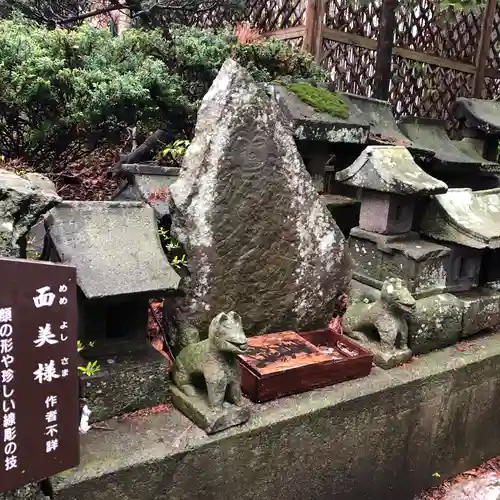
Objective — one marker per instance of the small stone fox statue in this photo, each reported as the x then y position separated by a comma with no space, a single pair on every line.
215,360
387,316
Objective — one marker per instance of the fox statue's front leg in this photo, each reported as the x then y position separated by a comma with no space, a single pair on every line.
235,395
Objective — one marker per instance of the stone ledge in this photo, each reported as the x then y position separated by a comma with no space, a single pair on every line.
379,437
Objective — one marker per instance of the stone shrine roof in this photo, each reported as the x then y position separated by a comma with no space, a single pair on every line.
390,169
114,247
481,114
469,218
384,130
308,124
149,183
431,134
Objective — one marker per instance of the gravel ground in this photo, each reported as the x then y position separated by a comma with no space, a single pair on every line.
482,483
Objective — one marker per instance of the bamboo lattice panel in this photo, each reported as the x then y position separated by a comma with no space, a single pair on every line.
417,88
354,16
451,34
422,89
352,68
268,15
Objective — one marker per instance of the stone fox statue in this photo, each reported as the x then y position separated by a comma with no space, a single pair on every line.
215,361
387,316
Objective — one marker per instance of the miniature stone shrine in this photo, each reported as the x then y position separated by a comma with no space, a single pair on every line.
458,163
327,137
480,120
215,402
449,268
313,123
384,129
468,222
391,182
257,236
120,264
384,245
324,131
149,183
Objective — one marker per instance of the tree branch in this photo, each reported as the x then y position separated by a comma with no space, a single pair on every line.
93,13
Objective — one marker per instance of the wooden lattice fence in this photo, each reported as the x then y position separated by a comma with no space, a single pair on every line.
420,57
266,16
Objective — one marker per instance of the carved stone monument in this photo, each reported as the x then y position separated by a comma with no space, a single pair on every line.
207,377
257,237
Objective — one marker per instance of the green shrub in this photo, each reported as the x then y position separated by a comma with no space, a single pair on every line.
65,91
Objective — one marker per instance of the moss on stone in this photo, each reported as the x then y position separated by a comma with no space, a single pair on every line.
320,99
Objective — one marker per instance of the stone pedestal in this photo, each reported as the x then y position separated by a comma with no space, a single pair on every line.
481,310
423,265
211,420
436,323
383,357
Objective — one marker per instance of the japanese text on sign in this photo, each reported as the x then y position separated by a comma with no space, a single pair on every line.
48,371
8,396
38,371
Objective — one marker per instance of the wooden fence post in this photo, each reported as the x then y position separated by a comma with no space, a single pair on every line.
483,49
313,36
385,44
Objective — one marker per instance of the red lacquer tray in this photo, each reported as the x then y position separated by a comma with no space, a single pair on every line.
285,363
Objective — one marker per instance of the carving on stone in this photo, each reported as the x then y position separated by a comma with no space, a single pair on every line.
252,148
215,359
387,319
244,202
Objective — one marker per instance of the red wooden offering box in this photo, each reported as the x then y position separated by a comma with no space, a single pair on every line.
285,363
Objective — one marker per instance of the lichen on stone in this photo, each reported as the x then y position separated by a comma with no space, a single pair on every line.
320,99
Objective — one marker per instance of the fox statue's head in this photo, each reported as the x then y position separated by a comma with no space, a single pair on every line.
226,333
397,296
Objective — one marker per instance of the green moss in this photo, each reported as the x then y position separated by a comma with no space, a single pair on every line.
320,99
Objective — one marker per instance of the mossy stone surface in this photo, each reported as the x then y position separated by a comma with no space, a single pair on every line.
130,382
320,99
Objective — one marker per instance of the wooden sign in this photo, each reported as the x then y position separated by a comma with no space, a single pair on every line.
38,371
281,364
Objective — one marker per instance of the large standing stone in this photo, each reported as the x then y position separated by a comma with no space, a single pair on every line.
258,239
23,199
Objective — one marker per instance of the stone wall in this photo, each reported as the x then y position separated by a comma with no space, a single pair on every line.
383,436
